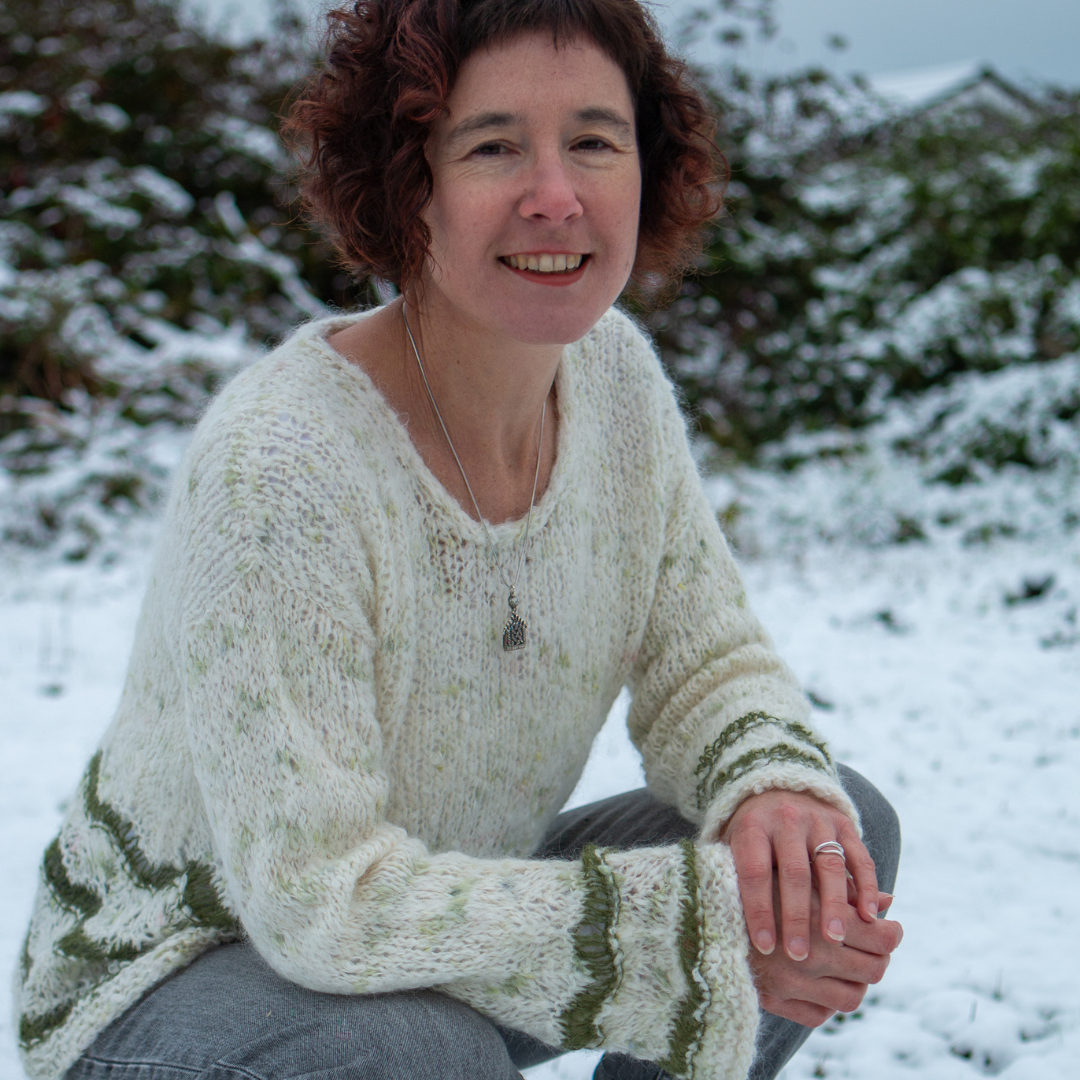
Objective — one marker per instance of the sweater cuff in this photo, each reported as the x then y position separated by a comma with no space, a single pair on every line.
679,957
759,751
788,776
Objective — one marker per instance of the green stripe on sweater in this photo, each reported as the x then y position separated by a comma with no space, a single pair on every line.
751,759
592,947
78,945
33,1029
734,731
200,897
200,893
124,835
78,899
690,1018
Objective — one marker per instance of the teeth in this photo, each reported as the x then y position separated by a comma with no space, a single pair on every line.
545,264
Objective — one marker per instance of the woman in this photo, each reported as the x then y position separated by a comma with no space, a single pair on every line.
409,561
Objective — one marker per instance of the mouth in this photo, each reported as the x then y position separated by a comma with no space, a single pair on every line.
546,263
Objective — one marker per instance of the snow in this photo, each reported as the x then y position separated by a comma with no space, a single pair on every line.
945,672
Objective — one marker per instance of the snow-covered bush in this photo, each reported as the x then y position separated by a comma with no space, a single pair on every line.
148,248
869,254
887,325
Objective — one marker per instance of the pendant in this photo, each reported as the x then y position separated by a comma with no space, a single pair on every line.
514,630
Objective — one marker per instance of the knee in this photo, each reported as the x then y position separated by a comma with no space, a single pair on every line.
429,1035
881,826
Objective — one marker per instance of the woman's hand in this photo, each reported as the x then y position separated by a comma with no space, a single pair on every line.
835,976
781,829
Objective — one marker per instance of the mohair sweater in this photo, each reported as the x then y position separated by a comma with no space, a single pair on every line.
322,746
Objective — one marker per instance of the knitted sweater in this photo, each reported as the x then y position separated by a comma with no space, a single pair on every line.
322,746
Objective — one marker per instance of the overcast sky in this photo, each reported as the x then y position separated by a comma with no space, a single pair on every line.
1024,39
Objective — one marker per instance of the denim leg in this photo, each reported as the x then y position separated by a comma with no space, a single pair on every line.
229,1016
637,819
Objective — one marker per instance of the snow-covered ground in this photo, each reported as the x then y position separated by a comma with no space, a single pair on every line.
947,675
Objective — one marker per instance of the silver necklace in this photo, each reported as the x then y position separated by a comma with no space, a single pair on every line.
516,628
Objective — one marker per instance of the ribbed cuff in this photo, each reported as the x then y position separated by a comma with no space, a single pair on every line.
669,952
776,774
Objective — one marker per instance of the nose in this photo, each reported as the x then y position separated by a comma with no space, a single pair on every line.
550,195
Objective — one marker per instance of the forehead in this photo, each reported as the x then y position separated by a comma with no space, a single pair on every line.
530,74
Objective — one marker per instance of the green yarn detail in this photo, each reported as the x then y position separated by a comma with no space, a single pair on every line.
78,899
742,765
690,1017
123,833
200,897
200,893
32,1029
25,961
592,947
204,901
734,731
78,945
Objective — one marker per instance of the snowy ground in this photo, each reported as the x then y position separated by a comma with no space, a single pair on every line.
935,677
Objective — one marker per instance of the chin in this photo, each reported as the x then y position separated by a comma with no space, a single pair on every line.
553,323
552,330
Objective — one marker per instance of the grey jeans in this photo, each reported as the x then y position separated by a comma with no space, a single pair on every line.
229,1016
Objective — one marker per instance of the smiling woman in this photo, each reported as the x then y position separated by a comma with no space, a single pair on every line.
409,561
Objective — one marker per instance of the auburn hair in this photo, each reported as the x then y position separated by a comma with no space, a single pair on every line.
361,123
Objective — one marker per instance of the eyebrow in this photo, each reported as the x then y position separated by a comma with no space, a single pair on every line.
487,120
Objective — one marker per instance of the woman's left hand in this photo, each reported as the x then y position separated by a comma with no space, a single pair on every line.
781,829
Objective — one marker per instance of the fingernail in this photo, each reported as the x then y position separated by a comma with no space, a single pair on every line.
836,930
797,948
872,908
763,939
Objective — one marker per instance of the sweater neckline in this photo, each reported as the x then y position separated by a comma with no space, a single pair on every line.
448,508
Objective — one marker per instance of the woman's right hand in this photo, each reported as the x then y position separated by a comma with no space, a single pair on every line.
834,977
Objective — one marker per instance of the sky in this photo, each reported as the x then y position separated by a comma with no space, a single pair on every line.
1023,39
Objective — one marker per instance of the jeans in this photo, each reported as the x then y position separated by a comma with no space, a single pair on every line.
229,1016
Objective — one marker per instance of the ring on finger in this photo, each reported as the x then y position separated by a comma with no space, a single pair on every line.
832,847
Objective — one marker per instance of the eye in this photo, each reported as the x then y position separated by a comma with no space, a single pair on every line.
592,142
490,149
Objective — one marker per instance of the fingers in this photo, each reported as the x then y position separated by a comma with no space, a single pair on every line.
752,853
802,1012
794,878
817,1000
880,937
832,886
863,871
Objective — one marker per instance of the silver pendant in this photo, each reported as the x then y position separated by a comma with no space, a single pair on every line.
514,631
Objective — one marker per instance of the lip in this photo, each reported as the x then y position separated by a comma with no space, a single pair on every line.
553,279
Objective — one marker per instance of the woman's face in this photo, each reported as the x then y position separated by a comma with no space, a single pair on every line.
537,185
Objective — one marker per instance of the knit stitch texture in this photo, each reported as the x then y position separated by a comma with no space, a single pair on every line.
322,745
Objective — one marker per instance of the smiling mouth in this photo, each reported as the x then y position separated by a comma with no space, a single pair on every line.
544,264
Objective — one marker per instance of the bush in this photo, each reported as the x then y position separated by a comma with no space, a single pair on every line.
148,246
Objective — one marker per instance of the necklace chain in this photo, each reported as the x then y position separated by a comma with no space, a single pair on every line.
514,632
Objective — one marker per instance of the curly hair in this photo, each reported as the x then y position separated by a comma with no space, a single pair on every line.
361,124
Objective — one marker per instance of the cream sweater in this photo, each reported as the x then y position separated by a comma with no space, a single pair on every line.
322,745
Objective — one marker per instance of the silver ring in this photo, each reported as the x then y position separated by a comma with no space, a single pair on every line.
832,847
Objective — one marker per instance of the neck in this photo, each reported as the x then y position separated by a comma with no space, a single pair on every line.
491,394
489,389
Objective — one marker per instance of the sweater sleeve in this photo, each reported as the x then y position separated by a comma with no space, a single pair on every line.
640,951
716,714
